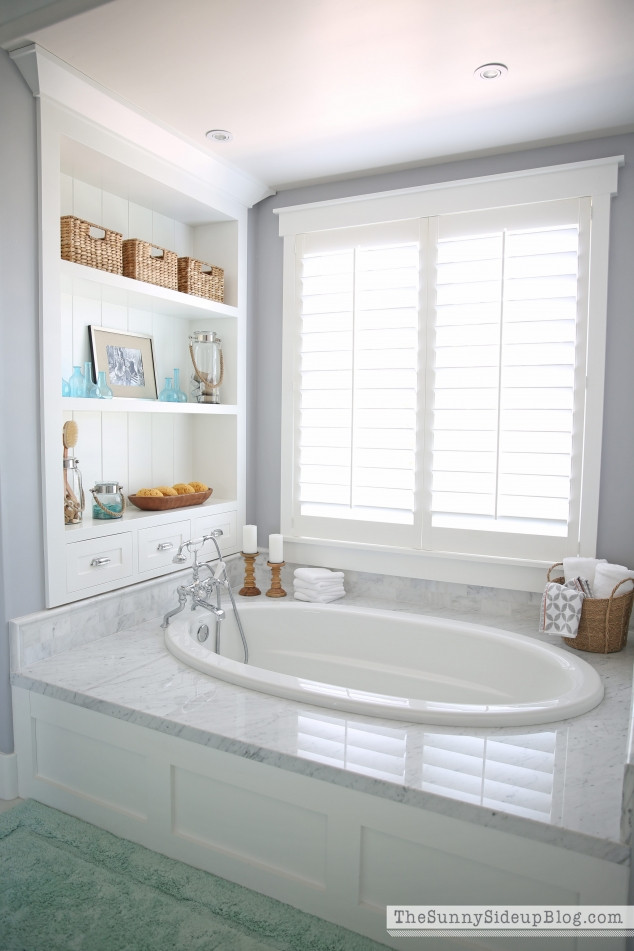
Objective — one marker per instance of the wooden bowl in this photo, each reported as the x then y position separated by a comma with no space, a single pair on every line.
150,503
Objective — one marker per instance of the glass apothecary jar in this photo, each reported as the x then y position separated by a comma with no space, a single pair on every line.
74,501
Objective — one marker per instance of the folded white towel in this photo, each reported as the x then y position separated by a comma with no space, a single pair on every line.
561,610
317,598
608,576
581,568
317,574
317,586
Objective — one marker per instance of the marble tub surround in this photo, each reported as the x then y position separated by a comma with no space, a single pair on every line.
59,629
560,783
56,630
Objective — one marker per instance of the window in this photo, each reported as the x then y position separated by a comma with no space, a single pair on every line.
439,366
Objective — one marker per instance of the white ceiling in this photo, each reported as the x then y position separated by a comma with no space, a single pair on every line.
319,89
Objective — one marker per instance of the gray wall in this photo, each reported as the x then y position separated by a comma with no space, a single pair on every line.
616,518
21,563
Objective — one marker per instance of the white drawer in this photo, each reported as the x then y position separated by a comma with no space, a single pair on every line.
157,546
98,561
226,521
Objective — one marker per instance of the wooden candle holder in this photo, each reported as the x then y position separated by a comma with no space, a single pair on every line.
249,590
276,590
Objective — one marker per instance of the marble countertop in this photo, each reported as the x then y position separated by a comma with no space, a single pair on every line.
560,783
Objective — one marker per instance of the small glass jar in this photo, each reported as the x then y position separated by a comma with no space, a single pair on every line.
109,500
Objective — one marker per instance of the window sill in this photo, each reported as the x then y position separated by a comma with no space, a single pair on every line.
507,573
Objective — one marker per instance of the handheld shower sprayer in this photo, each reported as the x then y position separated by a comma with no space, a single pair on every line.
194,545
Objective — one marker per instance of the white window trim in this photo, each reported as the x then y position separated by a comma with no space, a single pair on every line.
596,179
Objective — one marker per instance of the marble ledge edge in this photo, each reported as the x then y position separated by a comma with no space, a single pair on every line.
607,850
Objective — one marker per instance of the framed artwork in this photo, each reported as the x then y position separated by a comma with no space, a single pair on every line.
127,359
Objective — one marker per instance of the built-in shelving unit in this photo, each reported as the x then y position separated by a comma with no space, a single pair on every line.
126,174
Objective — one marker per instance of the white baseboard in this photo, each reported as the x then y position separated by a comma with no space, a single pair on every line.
8,776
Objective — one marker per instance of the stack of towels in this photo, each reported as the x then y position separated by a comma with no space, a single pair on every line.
318,584
599,576
583,578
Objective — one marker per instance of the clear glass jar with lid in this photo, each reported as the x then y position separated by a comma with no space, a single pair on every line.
205,349
74,502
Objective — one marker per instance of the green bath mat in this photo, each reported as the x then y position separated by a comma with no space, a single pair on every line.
66,885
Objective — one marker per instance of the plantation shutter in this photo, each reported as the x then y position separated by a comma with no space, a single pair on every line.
507,379
357,382
495,466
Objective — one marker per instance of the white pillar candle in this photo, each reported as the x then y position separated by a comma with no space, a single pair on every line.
249,539
276,549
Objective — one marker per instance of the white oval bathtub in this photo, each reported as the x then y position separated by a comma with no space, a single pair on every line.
391,664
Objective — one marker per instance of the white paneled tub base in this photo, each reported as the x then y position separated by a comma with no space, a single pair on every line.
332,851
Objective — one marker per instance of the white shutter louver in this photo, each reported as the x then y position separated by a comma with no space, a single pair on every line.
358,380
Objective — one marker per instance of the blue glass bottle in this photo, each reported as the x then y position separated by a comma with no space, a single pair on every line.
181,397
91,388
168,394
77,383
103,390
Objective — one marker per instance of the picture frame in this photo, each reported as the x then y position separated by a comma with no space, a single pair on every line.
127,359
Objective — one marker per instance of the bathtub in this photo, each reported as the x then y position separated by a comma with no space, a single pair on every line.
390,664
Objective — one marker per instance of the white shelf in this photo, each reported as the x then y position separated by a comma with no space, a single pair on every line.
101,285
134,518
124,405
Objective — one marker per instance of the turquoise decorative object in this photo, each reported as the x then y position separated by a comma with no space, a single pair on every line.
77,383
181,397
168,394
65,387
91,388
103,390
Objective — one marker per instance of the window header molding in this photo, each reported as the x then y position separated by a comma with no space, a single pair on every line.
592,178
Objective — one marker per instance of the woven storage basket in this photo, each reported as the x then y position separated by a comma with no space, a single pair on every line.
101,249
140,264
604,621
192,279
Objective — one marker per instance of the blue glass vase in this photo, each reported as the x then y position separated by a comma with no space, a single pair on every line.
77,383
91,388
168,394
103,390
181,397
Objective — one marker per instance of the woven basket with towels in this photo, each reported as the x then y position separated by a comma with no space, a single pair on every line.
604,622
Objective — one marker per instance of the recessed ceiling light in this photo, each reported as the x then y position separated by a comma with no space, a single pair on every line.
219,135
491,71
